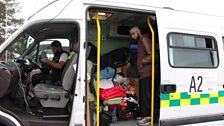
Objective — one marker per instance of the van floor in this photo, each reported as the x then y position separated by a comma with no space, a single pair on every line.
125,123
29,119
128,123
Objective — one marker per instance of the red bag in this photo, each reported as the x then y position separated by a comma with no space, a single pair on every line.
116,91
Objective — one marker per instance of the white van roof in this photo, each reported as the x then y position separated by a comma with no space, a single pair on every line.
210,7
69,9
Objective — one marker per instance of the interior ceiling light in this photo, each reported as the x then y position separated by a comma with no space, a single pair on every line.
102,15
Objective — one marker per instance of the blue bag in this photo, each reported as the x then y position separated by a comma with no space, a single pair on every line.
107,73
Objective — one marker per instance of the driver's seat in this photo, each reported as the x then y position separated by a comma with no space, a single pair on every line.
53,96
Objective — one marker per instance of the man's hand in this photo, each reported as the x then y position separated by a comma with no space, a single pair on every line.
59,65
45,60
141,65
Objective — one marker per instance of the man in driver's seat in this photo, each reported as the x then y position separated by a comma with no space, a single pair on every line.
56,65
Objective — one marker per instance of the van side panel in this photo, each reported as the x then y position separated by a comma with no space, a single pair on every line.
208,98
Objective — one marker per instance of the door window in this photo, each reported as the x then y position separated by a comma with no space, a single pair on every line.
192,51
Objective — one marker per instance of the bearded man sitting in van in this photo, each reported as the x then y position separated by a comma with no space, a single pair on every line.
56,65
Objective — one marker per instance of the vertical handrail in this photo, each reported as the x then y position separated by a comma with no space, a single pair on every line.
153,70
98,71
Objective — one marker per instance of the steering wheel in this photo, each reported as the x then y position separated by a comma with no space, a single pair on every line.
32,63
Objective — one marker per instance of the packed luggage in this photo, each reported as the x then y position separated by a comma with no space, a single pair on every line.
118,85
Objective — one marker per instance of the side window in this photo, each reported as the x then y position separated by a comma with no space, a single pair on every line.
223,41
18,47
192,51
44,46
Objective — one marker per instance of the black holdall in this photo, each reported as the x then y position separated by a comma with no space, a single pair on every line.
105,118
116,58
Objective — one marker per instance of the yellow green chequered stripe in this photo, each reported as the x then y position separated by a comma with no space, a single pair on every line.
185,99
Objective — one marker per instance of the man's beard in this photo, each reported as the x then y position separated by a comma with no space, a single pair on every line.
138,38
56,53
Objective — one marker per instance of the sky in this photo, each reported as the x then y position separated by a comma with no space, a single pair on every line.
28,7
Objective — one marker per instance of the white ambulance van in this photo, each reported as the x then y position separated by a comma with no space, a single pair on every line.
187,63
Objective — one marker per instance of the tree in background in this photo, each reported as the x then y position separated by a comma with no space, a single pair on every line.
2,21
8,22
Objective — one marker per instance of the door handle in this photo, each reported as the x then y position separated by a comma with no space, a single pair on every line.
168,88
